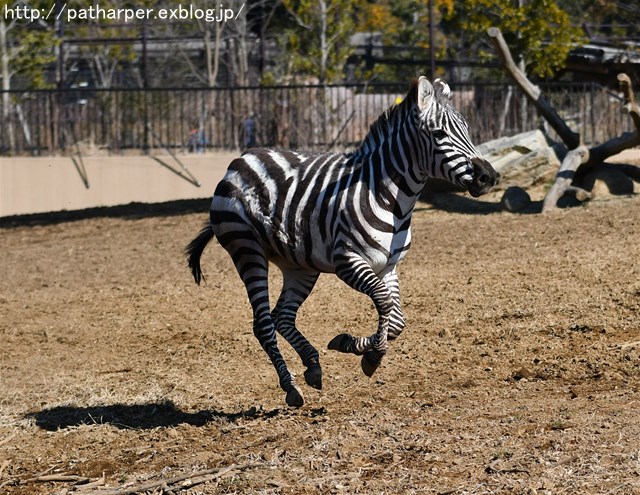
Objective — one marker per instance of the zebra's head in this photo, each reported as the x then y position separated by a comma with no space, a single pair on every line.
453,155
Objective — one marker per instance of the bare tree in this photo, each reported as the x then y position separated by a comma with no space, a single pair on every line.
6,85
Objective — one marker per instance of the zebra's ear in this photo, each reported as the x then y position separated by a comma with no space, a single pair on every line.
425,93
442,90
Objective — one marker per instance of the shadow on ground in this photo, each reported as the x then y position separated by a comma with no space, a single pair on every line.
137,416
131,211
457,203
453,203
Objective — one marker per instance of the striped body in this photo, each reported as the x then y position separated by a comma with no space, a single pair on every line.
347,214
305,206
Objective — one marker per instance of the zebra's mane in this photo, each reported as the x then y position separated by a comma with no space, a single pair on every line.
386,123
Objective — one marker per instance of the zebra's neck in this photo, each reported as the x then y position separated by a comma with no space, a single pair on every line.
394,152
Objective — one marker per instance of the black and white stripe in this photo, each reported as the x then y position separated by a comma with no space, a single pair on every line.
347,214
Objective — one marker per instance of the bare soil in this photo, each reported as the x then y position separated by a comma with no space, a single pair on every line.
519,370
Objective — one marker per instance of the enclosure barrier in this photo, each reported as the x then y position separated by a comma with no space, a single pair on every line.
320,117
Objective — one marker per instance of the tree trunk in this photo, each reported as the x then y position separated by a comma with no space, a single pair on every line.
7,113
212,53
324,55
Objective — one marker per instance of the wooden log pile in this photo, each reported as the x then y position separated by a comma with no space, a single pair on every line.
580,160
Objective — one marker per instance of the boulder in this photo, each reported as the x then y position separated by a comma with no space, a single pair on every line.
515,199
523,160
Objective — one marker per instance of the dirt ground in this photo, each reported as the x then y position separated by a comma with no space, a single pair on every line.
519,370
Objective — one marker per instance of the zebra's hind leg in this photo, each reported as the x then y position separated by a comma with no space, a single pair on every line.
252,265
357,273
296,287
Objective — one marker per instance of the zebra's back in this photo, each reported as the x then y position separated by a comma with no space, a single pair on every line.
289,200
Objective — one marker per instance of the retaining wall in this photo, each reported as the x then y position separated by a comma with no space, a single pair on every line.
39,185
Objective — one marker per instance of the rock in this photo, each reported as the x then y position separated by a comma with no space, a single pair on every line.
502,151
525,160
515,199
524,373
534,168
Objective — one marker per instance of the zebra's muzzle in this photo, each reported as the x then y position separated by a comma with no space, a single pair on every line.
484,177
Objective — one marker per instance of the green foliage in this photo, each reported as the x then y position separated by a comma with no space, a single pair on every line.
34,52
539,31
315,41
402,22
603,19
404,25
30,45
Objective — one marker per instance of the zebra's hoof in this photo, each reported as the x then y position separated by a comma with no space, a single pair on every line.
294,397
343,343
370,362
313,376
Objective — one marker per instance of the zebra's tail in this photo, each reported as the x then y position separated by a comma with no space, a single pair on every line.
194,251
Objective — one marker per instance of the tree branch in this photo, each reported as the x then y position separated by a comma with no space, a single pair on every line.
585,159
202,477
580,159
532,92
630,104
627,140
564,178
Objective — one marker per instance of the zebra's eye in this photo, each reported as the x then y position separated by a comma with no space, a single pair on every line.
439,134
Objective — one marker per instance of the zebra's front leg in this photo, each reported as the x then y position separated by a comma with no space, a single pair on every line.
396,318
358,274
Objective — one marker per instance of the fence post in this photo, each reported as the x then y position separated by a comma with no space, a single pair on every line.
234,131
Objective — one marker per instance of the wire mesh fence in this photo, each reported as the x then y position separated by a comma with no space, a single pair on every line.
320,117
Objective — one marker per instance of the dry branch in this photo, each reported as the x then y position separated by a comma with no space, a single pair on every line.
93,484
8,439
196,478
564,178
629,345
4,466
533,93
491,468
50,478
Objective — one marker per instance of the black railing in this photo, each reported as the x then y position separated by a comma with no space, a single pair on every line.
305,117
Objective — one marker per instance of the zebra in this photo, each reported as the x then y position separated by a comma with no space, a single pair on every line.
343,213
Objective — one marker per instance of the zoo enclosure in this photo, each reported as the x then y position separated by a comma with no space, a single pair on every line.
320,117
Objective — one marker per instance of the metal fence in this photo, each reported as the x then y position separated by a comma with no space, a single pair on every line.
305,117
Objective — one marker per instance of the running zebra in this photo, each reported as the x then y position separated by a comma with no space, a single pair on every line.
347,214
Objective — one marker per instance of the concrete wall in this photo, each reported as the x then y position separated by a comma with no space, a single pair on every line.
38,185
